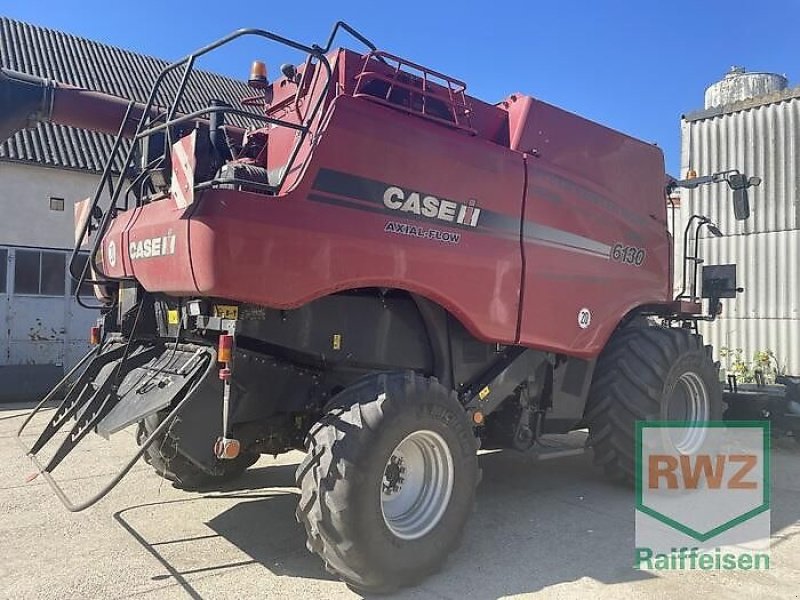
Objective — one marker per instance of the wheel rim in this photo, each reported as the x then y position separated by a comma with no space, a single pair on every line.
689,402
417,484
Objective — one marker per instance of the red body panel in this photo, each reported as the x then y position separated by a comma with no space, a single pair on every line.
168,271
514,241
601,188
286,251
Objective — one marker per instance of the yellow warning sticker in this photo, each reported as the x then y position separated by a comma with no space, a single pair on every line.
226,311
173,317
337,341
484,393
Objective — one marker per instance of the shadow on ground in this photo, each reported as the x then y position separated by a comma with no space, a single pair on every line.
260,523
536,525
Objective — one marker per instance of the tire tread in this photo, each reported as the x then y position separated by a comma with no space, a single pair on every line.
328,467
628,386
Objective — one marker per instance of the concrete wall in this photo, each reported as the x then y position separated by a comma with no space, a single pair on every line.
25,215
40,335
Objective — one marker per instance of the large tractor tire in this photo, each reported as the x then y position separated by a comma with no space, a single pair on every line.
389,481
169,463
649,373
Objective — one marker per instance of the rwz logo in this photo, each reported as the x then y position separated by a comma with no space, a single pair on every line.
704,470
702,495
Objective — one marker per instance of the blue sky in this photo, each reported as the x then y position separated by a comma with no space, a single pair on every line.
634,66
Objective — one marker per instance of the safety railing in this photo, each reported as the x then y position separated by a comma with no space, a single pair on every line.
154,120
400,83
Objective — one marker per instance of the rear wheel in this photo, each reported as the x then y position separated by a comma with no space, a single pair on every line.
389,481
166,459
648,373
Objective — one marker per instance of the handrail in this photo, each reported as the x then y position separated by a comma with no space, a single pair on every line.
105,179
360,37
446,78
145,128
219,109
451,93
189,61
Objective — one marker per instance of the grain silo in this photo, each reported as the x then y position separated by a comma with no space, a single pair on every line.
751,122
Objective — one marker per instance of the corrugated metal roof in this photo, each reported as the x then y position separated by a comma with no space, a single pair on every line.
85,63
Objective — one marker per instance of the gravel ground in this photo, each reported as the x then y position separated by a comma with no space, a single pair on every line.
543,529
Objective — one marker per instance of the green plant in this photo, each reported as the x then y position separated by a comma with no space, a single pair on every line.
763,362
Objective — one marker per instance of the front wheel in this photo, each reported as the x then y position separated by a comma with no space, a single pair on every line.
389,481
648,373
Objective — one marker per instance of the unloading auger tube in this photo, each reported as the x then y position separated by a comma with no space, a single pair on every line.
42,470
26,100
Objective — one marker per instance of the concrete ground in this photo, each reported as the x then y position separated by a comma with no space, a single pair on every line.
552,529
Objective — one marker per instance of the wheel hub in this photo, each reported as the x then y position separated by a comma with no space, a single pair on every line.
690,403
417,484
393,475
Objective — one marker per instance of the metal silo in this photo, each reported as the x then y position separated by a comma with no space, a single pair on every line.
752,123
739,85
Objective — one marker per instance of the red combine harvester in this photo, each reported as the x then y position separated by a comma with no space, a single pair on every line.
385,273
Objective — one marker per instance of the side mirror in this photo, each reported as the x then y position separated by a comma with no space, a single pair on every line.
741,201
741,204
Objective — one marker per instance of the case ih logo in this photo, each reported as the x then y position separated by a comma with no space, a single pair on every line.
360,193
152,247
424,205
702,495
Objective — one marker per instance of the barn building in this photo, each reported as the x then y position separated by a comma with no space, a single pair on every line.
44,170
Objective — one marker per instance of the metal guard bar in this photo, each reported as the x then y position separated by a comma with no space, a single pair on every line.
105,179
460,85
454,90
189,61
145,119
69,504
221,109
